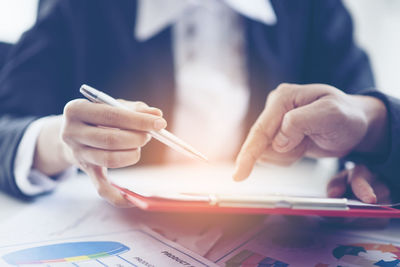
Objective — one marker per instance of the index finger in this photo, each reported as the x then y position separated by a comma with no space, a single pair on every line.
260,136
360,182
114,117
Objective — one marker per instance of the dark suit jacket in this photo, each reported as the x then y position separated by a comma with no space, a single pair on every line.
92,41
4,49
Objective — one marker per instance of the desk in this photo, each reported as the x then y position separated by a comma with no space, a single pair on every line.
8,206
74,209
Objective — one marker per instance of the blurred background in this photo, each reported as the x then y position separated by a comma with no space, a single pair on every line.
377,25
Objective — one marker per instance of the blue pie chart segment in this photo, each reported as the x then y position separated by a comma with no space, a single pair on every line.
65,252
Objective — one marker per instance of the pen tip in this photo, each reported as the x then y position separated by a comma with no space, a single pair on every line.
202,157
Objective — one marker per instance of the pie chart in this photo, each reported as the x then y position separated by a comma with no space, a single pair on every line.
73,252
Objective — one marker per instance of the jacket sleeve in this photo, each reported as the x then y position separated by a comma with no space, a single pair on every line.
349,70
11,132
387,164
332,56
33,84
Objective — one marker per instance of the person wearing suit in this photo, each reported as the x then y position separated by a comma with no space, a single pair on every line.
199,63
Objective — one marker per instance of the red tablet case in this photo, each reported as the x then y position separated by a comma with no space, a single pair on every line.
167,205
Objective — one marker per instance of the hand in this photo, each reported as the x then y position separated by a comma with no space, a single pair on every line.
359,182
95,137
362,183
314,120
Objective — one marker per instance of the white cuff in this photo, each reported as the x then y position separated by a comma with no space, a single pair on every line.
30,181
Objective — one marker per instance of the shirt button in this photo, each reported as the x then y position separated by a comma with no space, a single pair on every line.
190,30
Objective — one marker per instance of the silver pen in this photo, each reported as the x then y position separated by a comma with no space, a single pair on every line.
163,135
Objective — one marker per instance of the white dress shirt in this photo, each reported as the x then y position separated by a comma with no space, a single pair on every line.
210,73
210,68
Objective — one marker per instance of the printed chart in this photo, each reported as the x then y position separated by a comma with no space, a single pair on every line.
366,254
74,253
129,248
280,244
248,258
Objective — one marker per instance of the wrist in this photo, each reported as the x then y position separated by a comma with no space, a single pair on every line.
375,112
50,156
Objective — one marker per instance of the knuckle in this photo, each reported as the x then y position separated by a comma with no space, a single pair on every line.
72,108
110,141
334,108
111,160
280,93
272,95
143,139
143,123
259,130
140,104
289,121
111,116
283,89
69,107
283,86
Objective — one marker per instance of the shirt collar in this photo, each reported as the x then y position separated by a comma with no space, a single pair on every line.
155,15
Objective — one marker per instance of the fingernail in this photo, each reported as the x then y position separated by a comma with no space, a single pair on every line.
160,124
238,173
148,138
281,140
370,199
152,110
236,176
157,110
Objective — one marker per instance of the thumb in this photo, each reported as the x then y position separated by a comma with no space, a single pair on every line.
295,125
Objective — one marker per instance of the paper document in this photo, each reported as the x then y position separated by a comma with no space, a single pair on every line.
75,209
130,248
303,179
302,242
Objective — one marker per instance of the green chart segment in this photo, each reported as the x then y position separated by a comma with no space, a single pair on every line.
65,252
